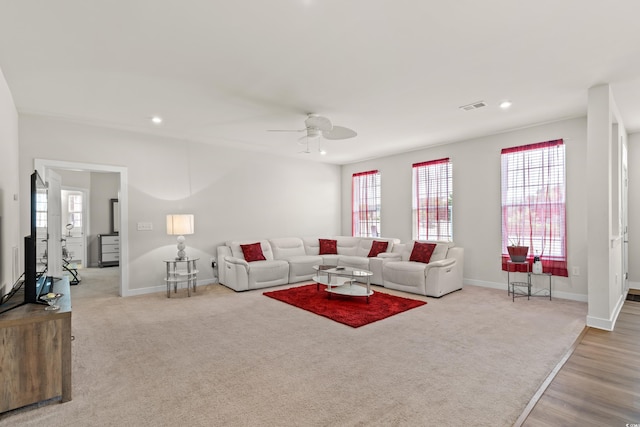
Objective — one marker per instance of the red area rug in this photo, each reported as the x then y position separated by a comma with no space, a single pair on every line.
352,311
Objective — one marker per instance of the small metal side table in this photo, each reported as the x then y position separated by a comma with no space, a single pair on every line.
532,275
181,271
513,284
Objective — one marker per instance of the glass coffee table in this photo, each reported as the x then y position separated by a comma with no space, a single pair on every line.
343,280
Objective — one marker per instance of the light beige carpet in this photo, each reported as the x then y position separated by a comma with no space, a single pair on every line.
221,358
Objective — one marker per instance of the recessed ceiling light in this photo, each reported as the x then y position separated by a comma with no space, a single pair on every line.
156,120
505,104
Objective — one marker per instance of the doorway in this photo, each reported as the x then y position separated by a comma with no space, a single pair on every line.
42,165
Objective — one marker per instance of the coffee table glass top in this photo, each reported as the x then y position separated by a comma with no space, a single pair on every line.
342,280
349,271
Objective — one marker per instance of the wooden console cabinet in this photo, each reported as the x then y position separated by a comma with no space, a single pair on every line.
35,352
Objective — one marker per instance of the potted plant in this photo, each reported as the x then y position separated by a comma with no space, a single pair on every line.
517,253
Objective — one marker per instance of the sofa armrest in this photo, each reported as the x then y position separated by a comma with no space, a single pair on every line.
236,261
236,274
442,277
223,251
442,263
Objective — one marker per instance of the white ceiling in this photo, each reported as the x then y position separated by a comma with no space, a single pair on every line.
396,71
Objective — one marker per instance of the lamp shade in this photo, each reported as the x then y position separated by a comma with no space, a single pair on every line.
180,224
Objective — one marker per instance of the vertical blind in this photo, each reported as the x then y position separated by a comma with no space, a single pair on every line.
533,203
432,200
365,204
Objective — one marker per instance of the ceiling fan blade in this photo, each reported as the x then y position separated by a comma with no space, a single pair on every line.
286,130
318,122
339,132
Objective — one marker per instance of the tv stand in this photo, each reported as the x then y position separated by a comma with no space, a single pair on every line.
36,352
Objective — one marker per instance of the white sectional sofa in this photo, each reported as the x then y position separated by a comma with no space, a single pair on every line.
291,260
441,275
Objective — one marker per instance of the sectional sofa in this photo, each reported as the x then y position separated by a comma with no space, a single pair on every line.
291,259
254,264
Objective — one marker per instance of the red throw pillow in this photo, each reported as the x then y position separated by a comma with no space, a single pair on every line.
253,252
328,247
422,252
377,248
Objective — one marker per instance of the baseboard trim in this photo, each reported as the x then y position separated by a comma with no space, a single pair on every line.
503,286
610,323
163,288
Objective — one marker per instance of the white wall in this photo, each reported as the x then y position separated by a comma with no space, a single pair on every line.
233,194
10,236
104,187
476,199
606,134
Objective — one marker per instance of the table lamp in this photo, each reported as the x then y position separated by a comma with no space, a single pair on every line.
179,225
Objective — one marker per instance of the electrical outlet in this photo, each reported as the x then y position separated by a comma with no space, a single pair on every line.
575,271
213,263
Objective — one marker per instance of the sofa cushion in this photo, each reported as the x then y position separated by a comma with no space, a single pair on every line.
408,274
440,252
253,252
287,247
351,246
377,247
328,246
422,252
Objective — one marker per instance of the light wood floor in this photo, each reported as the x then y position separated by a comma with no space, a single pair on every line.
599,385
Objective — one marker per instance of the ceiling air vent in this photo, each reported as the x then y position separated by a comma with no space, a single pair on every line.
473,106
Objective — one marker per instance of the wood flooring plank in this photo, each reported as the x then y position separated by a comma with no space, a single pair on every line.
599,385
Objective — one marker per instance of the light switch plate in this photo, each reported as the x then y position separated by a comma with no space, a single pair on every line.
145,226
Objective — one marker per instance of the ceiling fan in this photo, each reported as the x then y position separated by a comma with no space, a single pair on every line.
317,126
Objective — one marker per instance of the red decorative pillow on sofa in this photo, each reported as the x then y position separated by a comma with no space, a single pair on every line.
422,252
328,247
377,248
253,252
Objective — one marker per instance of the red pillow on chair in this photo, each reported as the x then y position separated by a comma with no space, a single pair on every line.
328,247
377,248
253,252
422,252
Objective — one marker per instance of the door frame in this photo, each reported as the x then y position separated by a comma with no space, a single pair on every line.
41,165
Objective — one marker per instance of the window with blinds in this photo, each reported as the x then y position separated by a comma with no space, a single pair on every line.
75,210
533,203
432,200
365,204
41,209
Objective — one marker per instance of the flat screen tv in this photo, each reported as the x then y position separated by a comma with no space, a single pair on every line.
36,281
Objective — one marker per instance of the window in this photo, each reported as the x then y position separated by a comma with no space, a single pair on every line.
533,203
365,204
41,209
432,200
75,210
